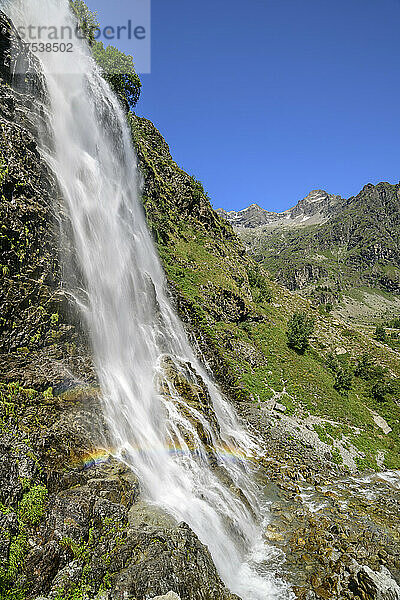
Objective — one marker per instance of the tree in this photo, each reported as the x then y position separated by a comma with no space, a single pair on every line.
343,372
118,70
87,20
259,287
300,328
367,369
380,333
381,389
381,386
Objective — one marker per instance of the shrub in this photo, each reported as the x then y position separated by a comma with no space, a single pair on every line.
394,323
119,71
258,284
343,372
300,328
366,368
380,333
381,389
33,505
343,379
380,385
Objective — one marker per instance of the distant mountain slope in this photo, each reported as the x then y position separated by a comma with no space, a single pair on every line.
314,208
327,247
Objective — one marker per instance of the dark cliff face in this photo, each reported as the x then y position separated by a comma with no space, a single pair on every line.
18,66
38,323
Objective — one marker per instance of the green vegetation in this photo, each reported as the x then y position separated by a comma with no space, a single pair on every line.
393,323
259,284
3,170
381,386
336,456
111,536
87,19
380,333
33,505
323,435
367,369
300,328
343,372
12,396
30,512
117,68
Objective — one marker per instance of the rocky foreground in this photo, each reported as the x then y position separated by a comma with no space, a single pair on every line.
73,520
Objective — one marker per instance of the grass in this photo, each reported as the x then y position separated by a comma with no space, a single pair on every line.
310,385
307,381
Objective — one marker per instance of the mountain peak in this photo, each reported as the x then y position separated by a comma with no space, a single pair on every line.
314,208
316,196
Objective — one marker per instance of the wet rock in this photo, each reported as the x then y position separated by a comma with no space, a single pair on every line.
181,381
96,536
375,585
42,565
123,489
68,577
143,514
170,596
70,514
169,559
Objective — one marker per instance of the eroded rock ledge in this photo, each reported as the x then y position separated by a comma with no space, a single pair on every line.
72,519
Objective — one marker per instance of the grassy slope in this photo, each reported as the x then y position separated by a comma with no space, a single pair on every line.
209,271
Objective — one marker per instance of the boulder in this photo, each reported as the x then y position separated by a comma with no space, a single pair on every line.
170,596
375,585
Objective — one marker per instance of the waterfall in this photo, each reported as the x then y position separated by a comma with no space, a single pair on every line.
192,466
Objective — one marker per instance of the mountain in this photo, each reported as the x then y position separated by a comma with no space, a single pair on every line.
337,252
317,207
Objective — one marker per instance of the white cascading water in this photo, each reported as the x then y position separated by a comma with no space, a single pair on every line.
137,338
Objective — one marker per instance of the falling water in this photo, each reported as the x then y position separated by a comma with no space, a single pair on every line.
140,347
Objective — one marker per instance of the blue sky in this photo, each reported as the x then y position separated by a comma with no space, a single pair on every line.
265,100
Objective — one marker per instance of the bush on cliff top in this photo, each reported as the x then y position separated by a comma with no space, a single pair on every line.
117,68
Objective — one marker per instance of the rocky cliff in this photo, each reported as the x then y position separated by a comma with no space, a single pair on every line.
66,506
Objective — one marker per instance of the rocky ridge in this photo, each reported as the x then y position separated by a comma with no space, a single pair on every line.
332,250
315,208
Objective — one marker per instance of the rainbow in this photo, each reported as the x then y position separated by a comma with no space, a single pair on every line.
93,459
102,456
